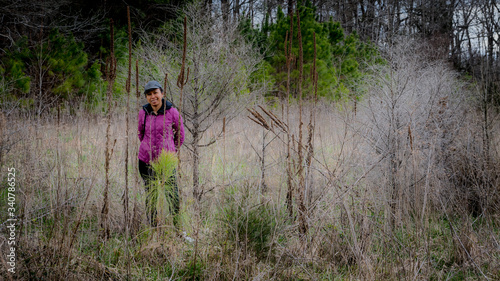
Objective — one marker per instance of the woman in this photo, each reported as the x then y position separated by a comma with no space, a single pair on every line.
160,128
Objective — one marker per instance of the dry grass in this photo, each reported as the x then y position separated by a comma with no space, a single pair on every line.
400,189
61,181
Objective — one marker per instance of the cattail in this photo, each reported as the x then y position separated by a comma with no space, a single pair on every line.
224,150
110,77
127,88
288,51
165,82
302,207
181,82
2,126
137,92
410,137
312,121
135,213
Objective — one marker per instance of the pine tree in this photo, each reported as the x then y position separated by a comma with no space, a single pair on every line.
51,71
338,55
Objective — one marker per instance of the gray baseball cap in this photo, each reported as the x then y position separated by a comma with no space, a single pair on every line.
151,85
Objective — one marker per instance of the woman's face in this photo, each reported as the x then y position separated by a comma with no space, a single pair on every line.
154,98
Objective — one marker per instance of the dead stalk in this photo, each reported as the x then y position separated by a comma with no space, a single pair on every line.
311,125
182,80
301,190
288,54
135,213
224,151
127,89
110,77
298,167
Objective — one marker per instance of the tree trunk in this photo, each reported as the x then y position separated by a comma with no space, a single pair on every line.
196,163
225,11
208,7
290,7
197,193
236,9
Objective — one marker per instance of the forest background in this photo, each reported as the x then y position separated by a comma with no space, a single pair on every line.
326,140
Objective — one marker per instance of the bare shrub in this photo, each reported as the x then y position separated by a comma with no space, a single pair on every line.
413,114
474,176
423,139
346,237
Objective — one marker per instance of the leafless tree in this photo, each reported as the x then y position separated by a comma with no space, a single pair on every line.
220,62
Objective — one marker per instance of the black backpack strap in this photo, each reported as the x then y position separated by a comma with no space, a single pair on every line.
144,124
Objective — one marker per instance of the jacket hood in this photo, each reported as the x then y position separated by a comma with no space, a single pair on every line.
165,105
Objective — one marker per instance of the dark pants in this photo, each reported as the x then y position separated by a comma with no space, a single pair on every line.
148,175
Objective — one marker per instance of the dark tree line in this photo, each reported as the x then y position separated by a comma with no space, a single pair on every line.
55,50
463,31
87,20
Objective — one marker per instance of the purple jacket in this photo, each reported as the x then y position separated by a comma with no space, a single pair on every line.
157,132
